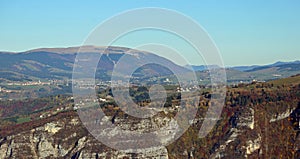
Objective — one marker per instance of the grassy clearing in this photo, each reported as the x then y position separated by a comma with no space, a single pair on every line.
23,120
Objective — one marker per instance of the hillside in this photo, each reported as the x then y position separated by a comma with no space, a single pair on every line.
57,63
246,74
259,120
48,71
293,80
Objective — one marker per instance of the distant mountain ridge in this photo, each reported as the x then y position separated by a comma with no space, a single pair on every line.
57,63
241,68
257,67
73,50
246,74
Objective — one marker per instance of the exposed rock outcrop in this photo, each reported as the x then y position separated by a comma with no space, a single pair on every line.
64,138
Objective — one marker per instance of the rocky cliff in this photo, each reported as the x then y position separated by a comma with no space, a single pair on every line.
63,138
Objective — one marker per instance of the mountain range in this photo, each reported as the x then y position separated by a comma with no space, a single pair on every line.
57,63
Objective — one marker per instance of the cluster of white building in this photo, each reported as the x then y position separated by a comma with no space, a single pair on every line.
29,83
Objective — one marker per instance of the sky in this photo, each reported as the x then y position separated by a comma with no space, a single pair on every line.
245,32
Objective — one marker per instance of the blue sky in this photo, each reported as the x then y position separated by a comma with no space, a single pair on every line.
246,32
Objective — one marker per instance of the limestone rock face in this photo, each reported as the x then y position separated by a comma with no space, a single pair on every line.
64,138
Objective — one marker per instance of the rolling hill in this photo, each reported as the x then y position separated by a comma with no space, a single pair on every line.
57,64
